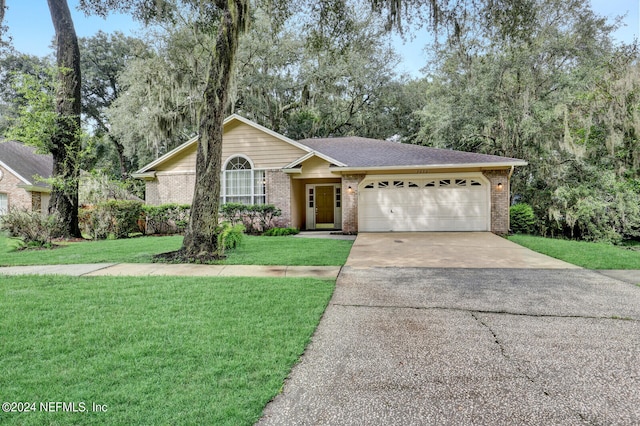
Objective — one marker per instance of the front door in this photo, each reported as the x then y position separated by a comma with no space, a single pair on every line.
324,205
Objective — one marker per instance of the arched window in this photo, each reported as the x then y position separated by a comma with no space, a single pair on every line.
241,183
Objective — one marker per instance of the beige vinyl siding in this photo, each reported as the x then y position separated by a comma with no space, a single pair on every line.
183,162
264,150
313,168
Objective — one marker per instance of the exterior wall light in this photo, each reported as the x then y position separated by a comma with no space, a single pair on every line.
500,186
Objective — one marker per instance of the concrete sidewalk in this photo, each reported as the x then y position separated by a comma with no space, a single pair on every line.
185,270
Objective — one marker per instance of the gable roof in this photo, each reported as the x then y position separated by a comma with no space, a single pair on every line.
364,153
23,162
191,142
355,153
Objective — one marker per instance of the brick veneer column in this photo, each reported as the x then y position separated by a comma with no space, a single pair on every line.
278,193
350,202
499,200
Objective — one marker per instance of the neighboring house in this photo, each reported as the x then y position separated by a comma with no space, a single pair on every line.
348,183
21,173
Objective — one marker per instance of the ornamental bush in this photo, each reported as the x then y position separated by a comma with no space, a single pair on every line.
166,218
256,218
280,232
229,236
34,228
111,219
522,218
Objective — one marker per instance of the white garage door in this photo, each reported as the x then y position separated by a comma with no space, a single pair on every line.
447,203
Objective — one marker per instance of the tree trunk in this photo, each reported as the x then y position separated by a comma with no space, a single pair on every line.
66,138
122,159
201,237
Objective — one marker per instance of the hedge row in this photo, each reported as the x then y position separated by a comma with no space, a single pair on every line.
256,219
122,218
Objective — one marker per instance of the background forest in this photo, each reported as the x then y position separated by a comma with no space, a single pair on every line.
549,86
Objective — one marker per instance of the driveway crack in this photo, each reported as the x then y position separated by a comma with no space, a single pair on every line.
495,337
480,311
503,351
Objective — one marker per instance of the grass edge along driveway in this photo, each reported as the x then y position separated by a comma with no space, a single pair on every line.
585,254
285,251
170,350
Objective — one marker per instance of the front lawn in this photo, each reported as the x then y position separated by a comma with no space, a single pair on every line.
585,254
290,251
287,251
134,250
174,350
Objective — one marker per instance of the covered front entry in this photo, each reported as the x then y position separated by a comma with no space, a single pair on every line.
446,202
324,206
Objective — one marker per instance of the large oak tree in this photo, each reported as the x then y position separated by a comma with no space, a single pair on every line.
65,139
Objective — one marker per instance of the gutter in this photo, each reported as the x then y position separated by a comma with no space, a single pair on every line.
145,176
35,188
431,167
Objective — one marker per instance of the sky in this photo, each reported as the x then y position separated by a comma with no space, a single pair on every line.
30,26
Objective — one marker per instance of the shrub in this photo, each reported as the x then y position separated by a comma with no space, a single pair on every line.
34,228
255,218
111,219
522,218
166,218
280,232
230,236
97,187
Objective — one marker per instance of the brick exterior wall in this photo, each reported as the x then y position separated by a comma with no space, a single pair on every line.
17,198
178,188
350,202
170,188
278,193
499,201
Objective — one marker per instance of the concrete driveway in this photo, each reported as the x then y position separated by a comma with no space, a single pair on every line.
446,250
476,345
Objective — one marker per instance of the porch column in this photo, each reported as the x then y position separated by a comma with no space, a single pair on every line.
278,193
350,202
500,197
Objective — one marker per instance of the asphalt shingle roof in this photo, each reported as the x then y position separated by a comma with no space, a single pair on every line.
24,161
363,152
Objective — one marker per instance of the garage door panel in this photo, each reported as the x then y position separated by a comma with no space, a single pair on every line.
418,207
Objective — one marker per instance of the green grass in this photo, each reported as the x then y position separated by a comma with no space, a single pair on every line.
290,251
154,351
585,254
134,250
286,251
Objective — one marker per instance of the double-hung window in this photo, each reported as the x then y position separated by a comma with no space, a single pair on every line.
4,204
241,183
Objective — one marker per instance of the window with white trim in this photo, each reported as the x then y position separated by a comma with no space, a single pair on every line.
241,183
4,203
